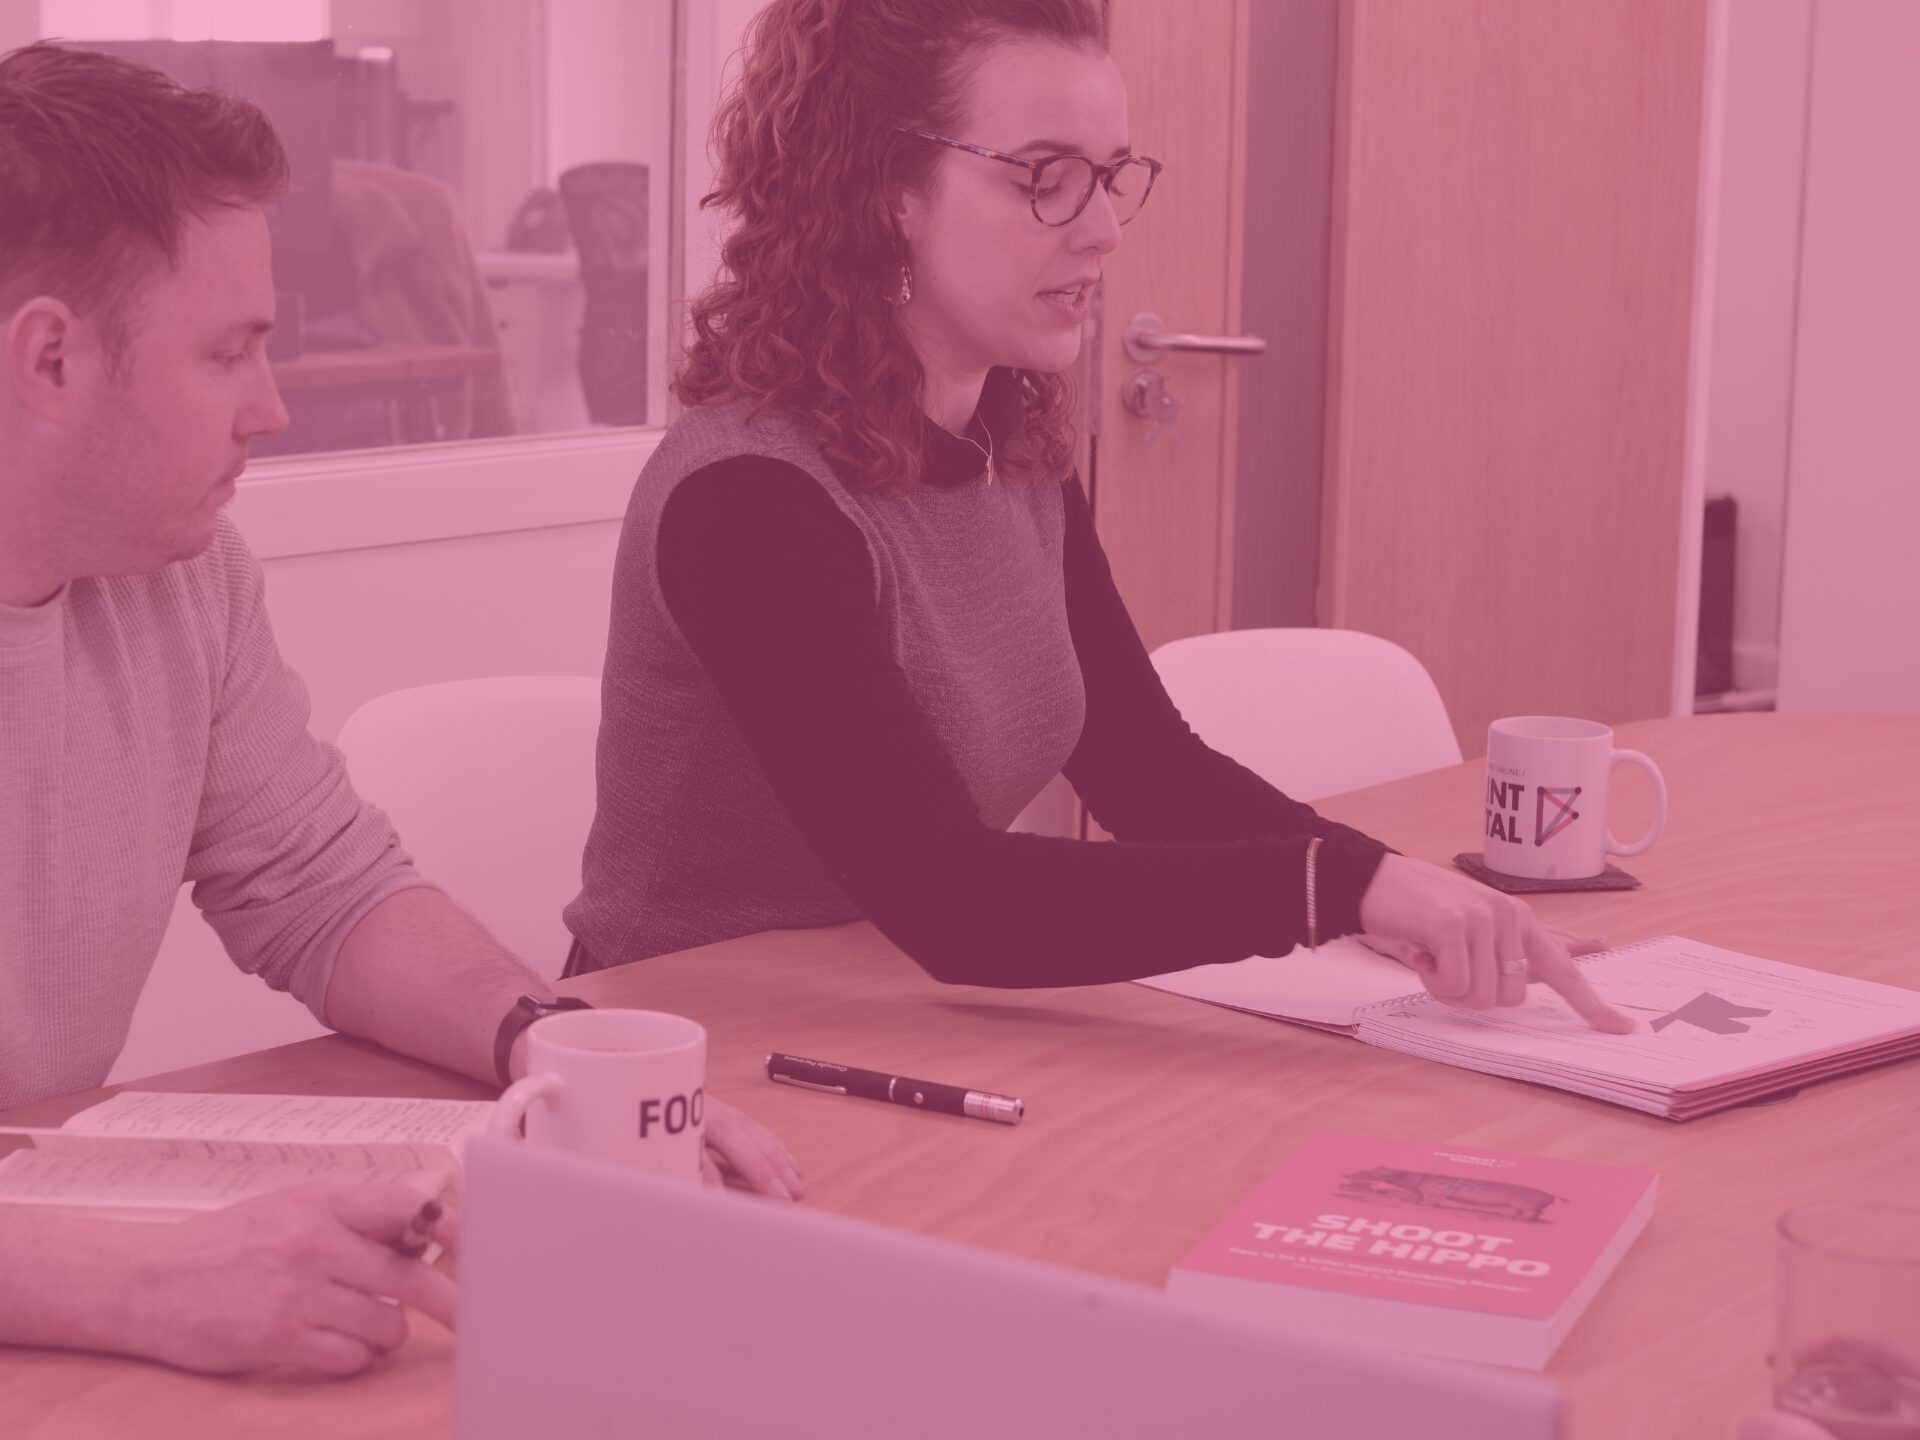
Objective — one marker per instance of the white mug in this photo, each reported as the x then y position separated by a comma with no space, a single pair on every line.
621,1085
1546,799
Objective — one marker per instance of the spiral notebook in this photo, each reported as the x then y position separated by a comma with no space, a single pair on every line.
1719,1028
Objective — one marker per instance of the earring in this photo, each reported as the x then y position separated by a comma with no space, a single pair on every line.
906,285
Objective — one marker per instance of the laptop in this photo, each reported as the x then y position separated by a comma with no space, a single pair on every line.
598,1301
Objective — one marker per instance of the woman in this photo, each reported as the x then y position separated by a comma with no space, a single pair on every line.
860,612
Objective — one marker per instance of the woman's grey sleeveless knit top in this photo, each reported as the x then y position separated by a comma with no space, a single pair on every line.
689,844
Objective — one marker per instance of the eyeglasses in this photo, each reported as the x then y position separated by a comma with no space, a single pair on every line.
1063,184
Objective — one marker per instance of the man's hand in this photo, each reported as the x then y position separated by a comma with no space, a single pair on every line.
291,1284
1470,945
741,1148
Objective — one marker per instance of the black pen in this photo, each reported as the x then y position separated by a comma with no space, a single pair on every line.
411,1243
872,1085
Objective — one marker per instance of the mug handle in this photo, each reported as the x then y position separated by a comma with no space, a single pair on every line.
1645,842
516,1100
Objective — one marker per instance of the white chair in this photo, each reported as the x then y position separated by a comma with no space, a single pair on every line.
1313,712
491,786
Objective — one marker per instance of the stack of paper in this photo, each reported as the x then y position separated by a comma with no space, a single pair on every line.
1719,1028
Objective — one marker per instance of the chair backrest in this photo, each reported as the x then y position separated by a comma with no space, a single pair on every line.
1313,712
491,786
606,203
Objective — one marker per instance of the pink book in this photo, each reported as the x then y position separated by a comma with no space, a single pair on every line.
1435,1249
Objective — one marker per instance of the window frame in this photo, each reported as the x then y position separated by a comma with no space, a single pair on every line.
333,501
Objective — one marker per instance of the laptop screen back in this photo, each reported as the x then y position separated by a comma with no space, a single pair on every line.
597,1301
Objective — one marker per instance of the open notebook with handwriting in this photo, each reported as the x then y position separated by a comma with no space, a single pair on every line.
1719,1028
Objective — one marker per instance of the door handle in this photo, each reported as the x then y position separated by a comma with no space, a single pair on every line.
1147,337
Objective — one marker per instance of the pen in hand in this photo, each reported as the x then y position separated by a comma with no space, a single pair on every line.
411,1243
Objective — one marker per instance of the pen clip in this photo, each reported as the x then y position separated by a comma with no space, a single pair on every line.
809,1085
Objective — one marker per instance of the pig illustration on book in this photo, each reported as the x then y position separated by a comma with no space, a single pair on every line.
1449,1192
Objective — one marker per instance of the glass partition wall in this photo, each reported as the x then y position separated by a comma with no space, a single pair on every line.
474,245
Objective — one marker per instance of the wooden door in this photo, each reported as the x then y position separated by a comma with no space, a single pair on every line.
1512,310
1163,500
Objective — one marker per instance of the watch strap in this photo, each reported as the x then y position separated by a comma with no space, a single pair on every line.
526,1010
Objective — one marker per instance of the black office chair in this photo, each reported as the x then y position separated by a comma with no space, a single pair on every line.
607,212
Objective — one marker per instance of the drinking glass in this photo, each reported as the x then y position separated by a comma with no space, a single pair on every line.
1847,1349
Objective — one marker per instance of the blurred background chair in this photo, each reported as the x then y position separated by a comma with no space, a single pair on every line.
606,205
1313,712
491,785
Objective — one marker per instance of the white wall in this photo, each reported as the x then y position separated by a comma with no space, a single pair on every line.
19,23
1850,596
1756,272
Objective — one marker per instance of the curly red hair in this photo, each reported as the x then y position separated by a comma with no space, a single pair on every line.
809,162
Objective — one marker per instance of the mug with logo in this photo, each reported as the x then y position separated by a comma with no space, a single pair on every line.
1546,801
621,1085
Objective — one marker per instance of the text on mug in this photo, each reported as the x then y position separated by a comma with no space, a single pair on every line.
1504,796
675,1113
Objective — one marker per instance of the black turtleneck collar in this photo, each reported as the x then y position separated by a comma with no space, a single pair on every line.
956,459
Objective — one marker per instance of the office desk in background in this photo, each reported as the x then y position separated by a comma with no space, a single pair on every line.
391,362
399,372
1795,837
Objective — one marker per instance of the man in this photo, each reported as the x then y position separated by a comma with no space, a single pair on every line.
150,732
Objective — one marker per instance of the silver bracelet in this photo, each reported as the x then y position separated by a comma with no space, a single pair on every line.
1313,913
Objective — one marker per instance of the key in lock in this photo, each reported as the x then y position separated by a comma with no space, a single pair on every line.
1148,395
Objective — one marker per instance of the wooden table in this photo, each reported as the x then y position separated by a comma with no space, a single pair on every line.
1796,837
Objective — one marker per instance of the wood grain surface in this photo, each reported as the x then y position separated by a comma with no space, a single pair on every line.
1795,837
1511,307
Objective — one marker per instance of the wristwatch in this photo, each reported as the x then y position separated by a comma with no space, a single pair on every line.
526,1010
